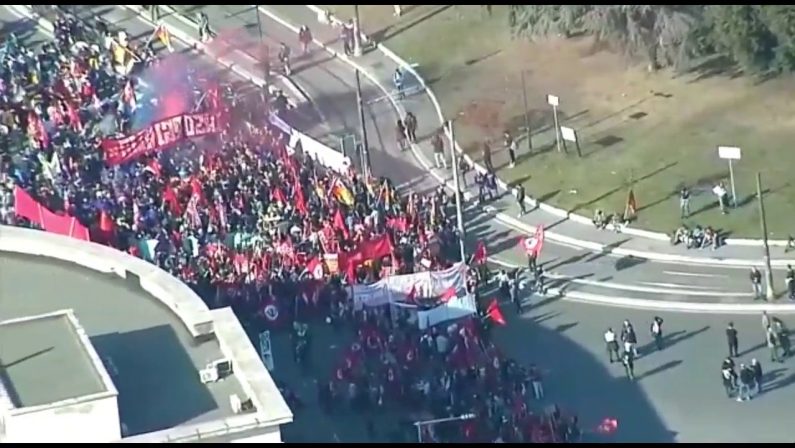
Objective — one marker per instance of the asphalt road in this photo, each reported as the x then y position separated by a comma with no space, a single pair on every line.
677,396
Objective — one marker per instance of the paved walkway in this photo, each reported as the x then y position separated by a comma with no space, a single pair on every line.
382,68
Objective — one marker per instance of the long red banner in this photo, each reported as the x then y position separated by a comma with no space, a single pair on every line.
33,211
162,134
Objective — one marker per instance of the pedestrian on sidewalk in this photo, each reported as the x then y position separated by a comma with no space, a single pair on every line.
657,331
765,321
154,12
204,26
731,339
438,150
539,278
772,344
684,202
789,280
463,169
304,38
480,181
411,127
347,37
518,193
400,136
756,283
612,346
491,185
790,244
487,157
510,145
756,367
629,364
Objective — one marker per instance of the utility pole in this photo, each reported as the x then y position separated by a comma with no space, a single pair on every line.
365,152
357,41
528,134
266,54
457,185
770,293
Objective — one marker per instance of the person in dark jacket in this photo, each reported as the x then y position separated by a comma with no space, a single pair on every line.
656,330
731,339
757,369
629,364
629,338
729,378
746,381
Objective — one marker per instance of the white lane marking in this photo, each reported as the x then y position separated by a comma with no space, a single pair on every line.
679,285
625,287
693,274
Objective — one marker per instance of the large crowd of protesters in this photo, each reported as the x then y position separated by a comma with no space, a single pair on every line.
240,218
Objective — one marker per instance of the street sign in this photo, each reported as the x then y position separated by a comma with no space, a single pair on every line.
568,134
552,100
265,350
729,152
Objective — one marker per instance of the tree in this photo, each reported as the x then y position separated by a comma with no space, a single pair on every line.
739,32
780,22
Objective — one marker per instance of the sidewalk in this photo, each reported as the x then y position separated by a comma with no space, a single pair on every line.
560,229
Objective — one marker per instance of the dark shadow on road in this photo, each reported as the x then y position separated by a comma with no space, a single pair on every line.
661,368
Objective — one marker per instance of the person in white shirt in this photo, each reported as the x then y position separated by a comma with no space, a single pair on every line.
612,346
723,197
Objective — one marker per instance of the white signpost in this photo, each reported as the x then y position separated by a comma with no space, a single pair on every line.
730,153
554,101
265,350
570,135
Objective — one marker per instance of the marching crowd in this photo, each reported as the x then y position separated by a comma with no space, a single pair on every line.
248,224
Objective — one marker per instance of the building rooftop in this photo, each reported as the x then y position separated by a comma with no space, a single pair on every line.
43,361
152,359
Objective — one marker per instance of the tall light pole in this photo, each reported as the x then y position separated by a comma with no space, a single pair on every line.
770,293
457,185
365,151
357,41
526,116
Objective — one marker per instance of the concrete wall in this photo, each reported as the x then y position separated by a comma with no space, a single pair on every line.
91,420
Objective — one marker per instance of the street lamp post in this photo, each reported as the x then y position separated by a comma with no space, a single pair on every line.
420,424
357,40
365,151
526,116
457,185
770,293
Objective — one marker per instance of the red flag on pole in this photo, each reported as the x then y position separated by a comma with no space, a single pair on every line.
479,257
315,268
533,245
339,223
493,312
300,201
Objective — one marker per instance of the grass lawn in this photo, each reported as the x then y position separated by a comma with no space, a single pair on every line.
656,129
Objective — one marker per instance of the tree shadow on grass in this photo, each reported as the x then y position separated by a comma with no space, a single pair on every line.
390,31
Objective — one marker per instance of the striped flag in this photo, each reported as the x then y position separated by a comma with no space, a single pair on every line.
164,37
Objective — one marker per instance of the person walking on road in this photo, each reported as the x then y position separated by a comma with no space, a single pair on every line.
756,367
204,27
487,157
772,344
657,332
518,193
731,339
756,283
782,334
400,137
629,338
612,346
629,364
729,376
510,145
304,38
438,150
397,80
765,321
746,381
684,202
411,127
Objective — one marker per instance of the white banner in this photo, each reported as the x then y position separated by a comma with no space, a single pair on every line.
326,156
456,308
395,288
265,349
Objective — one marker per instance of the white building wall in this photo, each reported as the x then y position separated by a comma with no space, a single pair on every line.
94,421
273,435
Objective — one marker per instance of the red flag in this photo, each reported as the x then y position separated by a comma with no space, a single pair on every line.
493,312
479,257
153,167
448,294
533,245
411,297
106,223
196,188
339,223
300,201
128,95
74,117
278,195
27,207
170,198
315,268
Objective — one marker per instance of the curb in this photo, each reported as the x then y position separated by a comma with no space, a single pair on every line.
561,213
529,229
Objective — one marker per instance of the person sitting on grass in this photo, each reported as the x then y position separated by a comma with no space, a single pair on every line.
599,219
